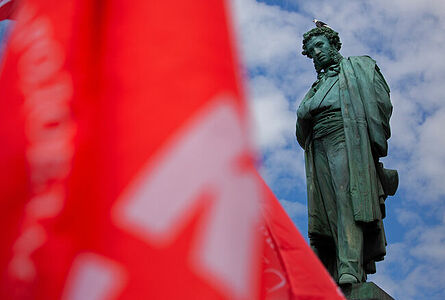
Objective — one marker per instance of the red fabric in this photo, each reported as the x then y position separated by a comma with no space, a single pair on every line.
291,268
125,171
113,108
7,9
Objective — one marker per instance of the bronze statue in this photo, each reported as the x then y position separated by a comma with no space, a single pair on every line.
343,126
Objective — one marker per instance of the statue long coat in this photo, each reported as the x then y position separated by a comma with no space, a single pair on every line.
366,109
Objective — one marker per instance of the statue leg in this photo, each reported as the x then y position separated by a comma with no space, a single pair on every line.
325,246
349,239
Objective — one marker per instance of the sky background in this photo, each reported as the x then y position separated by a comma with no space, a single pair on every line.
407,39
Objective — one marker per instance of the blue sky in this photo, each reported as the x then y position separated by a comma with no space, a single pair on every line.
4,26
407,40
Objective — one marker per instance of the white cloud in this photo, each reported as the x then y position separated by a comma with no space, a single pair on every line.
273,121
415,267
284,169
429,161
268,33
294,209
408,217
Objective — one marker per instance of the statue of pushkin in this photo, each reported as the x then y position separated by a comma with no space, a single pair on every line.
343,126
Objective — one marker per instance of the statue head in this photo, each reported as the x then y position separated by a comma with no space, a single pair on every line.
322,45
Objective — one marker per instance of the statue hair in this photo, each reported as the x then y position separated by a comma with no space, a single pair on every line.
333,38
331,35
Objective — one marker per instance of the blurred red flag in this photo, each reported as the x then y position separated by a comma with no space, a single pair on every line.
126,171
290,269
7,8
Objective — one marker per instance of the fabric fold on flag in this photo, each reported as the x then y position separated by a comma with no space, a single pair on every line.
7,9
286,253
127,171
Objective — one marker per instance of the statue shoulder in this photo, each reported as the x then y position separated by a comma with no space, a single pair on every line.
310,92
364,67
364,60
370,67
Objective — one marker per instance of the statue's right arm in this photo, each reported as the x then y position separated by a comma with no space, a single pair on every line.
302,132
380,109
304,118
303,123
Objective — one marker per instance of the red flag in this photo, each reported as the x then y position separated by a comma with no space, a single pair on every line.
290,269
7,8
127,172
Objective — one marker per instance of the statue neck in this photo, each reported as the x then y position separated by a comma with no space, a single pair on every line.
336,58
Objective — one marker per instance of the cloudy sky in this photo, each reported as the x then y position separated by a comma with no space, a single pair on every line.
407,39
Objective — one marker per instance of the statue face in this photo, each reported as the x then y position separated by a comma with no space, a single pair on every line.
321,51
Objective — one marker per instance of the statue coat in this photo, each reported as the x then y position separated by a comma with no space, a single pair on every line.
366,109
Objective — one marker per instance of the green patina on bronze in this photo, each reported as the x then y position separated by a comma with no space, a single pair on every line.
343,126
364,291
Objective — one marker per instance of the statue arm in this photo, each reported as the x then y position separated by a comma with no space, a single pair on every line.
376,102
380,126
377,105
304,122
302,132
383,101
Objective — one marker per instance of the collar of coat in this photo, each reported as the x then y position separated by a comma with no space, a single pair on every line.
332,70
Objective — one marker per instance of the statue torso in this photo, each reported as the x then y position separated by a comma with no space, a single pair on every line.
323,108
